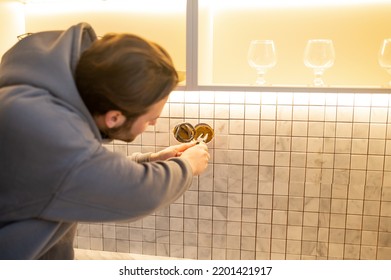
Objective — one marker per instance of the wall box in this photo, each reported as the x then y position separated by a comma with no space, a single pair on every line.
210,38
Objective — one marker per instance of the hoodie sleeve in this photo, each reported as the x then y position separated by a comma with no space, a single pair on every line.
109,187
68,175
140,157
53,165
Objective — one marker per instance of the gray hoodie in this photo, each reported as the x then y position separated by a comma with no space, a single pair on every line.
54,171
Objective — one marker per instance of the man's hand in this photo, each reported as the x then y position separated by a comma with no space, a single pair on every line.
198,157
172,151
196,154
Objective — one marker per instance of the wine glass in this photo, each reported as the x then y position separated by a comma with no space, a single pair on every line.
261,56
384,56
319,55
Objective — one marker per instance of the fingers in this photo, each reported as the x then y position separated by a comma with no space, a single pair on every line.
204,147
179,149
183,147
202,144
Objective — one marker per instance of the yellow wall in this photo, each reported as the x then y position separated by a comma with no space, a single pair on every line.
356,29
164,25
11,23
226,31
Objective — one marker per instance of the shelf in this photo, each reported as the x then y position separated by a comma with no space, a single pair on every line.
225,29
210,38
244,88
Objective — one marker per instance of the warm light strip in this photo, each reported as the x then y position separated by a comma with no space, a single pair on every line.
145,6
283,98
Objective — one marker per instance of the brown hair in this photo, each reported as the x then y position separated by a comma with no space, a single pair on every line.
124,72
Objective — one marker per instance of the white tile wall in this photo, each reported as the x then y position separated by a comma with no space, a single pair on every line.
292,176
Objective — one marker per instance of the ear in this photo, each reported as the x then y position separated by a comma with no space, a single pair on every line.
114,119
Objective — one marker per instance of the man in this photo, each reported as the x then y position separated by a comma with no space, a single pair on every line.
61,94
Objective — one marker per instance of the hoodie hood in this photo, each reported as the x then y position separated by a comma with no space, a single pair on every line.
56,54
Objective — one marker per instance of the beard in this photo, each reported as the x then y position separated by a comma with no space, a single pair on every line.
122,132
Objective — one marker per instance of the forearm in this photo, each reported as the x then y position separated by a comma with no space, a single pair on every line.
140,157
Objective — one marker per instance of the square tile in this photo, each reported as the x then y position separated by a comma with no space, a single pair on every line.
292,176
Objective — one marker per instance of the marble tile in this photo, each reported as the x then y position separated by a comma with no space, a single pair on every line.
292,176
